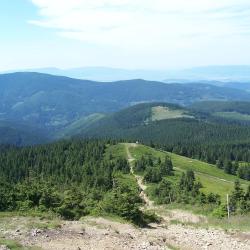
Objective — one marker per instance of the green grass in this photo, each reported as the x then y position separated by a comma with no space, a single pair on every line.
116,151
78,126
171,247
233,116
213,179
239,223
14,245
162,113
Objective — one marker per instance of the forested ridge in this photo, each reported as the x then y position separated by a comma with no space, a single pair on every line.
69,178
202,137
75,178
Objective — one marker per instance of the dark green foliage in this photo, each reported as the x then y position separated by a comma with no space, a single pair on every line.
69,178
19,134
221,106
213,142
244,172
154,169
239,200
185,190
54,103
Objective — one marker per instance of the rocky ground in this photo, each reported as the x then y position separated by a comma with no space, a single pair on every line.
101,233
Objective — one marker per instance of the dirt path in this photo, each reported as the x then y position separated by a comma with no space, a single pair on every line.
139,179
186,237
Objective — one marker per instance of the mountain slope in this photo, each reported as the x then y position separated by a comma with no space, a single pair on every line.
20,134
220,106
212,179
194,135
238,112
54,103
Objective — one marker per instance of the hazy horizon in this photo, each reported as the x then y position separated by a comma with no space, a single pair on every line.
150,35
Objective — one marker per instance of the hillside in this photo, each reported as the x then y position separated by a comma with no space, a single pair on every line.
227,111
20,134
213,179
136,117
179,130
70,193
53,103
220,106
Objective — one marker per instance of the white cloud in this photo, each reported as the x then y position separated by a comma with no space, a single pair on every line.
149,26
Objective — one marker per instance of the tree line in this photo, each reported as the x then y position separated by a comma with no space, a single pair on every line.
69,178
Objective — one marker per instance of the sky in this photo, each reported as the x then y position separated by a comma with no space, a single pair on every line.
132,34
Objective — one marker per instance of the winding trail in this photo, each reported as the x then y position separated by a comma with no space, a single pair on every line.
139,179
183,236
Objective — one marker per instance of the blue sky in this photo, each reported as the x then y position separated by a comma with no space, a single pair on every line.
150,34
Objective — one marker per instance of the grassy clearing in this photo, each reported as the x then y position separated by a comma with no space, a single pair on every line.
10,221
14,245
162,113
239,223
79,125
116,151
233,116
213,179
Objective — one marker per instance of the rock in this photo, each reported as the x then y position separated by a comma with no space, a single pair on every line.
4,247
35,232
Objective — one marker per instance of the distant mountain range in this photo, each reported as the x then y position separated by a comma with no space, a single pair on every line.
210,74
58,106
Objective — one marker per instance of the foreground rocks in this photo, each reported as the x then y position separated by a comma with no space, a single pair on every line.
100,233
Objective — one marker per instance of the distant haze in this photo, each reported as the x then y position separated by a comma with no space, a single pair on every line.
209,73
131,34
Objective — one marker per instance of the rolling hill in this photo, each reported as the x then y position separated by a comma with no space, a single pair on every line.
179,130
54,102
238,112
21,134
61,106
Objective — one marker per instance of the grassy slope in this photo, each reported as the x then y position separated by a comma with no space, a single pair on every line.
213,179
162,113
232,116
79,125
116,151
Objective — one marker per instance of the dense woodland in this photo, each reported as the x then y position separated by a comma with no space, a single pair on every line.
69,178
75,178
208,141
